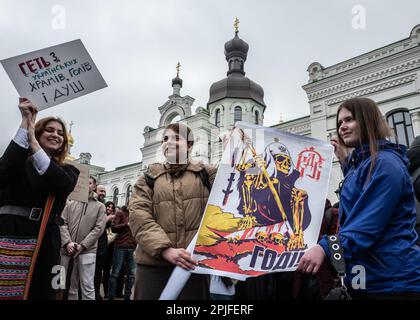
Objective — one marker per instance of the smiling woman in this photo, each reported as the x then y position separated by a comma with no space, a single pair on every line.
50,132
165,213
34,185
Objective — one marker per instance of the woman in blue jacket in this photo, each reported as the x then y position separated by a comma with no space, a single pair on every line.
377,211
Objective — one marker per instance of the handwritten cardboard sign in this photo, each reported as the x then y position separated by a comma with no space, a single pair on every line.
81,190
54,75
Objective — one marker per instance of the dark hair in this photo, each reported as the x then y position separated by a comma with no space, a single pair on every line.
413,154
60,154
183,130
372,125
108,203
124,208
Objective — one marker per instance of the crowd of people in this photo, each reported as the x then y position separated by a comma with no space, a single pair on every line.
111,252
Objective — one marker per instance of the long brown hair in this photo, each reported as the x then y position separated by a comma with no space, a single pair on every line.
372,125
40,126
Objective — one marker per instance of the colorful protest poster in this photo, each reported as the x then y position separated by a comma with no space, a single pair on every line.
54,75
266,205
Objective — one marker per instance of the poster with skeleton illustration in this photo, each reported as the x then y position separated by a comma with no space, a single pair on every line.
266,205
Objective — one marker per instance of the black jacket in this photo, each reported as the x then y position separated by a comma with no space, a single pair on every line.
21,185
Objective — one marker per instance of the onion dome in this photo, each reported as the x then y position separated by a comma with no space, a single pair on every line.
236,85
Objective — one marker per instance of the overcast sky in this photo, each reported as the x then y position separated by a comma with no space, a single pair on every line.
137,44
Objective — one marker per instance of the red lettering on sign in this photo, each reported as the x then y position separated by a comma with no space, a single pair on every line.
310,163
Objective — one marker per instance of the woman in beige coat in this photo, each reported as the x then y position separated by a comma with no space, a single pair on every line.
165,213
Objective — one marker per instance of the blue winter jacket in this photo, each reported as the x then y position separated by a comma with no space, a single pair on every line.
377,220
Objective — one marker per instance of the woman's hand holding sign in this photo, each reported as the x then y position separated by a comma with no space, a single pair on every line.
28,111
179,257
312,260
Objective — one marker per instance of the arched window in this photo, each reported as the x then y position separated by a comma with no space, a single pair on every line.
176,118
400,122
128,194
238,114
217,116
115,196
257,115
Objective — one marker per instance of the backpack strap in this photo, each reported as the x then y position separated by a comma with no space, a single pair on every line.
150,181
205,178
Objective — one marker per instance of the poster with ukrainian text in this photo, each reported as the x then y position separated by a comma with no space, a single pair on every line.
54,75
266,205
81,190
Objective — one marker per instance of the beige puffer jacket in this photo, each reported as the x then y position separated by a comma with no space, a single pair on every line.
170,214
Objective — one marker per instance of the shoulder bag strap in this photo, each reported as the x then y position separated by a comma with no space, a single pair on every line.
337,260
42,228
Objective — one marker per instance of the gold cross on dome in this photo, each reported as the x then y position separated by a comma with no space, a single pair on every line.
236,25
177,69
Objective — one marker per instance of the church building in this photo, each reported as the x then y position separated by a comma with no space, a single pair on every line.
388,75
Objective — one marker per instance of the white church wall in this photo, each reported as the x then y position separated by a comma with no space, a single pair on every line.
388,75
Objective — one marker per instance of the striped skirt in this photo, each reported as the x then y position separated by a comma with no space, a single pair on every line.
15,261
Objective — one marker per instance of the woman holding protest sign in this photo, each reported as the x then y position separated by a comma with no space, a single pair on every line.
34,185
377,213
165,213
